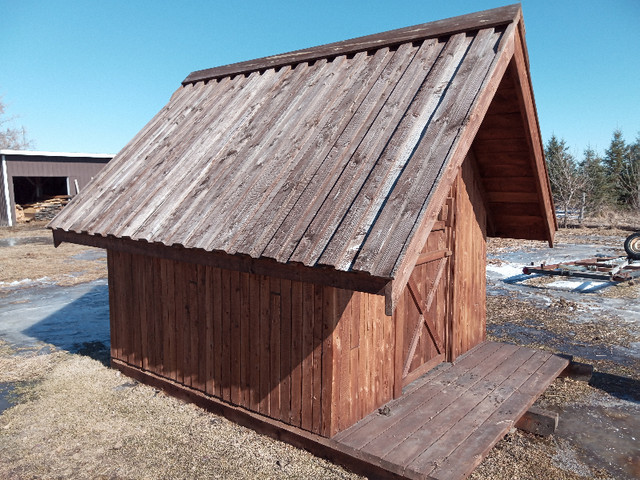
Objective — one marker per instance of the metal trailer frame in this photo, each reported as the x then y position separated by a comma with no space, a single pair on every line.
611,269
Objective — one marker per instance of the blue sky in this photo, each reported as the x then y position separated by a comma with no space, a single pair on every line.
85,76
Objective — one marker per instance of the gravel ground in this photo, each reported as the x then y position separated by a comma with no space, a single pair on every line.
67,415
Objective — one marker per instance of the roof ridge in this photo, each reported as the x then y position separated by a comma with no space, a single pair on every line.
449,26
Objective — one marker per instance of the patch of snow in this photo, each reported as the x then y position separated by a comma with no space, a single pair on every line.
506,270
24,282
579,285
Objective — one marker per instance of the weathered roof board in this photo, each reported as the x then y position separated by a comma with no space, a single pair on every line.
331,156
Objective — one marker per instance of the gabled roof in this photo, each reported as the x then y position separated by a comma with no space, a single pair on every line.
336,156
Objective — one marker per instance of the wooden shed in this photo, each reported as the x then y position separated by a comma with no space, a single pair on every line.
303,235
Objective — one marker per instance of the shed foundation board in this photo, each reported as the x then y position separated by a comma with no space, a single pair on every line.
441,427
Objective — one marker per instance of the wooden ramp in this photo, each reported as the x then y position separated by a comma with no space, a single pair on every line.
446,422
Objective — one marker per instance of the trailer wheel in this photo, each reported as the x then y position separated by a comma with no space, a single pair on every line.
632,246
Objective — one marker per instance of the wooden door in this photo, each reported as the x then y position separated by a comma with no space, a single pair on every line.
426,307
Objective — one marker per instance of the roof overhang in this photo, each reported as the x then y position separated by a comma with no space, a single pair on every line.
357,281
164,165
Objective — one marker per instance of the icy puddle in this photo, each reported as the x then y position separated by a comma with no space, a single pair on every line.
608,436
74,318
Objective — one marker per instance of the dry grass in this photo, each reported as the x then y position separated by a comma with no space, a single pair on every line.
524,456
45,262
559,327
83,420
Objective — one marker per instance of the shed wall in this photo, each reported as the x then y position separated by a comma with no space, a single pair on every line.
316,357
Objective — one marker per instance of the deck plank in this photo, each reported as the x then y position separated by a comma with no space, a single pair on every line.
469,455
450,440
440,419
372,425
398,441
446,422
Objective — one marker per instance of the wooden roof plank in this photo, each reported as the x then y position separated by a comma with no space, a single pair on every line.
403,207
411,249
357,174
155,204
393,160
450,26
271,214
108,211
284,154
257,157
214,156
104,189
274,147
288,234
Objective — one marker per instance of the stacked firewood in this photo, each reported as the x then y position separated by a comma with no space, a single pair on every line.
44,210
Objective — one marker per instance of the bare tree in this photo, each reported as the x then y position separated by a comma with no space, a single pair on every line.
630,176
564,176
11,137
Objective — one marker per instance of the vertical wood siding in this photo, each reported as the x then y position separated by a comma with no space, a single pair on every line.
469,262
316,357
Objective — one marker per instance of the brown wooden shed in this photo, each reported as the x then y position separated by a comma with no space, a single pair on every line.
303,235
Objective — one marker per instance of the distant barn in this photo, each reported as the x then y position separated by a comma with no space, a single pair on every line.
28,177
301,236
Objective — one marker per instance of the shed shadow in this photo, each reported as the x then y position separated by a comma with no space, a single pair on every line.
81,326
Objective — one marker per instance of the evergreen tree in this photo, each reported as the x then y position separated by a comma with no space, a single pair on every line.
594,181
566,181
615,158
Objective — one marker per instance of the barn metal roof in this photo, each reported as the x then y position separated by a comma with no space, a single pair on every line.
37,153
324,157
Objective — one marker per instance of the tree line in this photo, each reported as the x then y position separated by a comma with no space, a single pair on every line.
12,137
594,184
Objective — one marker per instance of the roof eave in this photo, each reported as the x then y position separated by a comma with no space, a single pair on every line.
328,276
407,261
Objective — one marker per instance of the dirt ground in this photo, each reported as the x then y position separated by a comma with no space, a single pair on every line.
67,415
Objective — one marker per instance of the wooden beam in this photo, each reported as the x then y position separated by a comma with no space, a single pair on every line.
520,66
431,256
485,19
538,421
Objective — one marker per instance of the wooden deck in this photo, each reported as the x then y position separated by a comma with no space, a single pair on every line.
446,422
